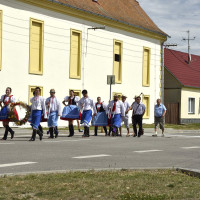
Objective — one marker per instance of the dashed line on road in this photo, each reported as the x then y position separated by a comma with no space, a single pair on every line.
59,141
186,136
7,143
148,151
16,164
92,156
194,147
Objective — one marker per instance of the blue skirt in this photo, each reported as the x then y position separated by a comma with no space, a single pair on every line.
4,113
116,120
53,119
100,119
36,118
86,117
70,113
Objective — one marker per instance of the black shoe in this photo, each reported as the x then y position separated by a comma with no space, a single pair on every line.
32,139
3,138
139,135
70,135
135,135
12,134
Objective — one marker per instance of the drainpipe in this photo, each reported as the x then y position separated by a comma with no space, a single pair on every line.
163,69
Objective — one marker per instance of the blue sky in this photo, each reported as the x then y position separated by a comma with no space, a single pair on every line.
175,17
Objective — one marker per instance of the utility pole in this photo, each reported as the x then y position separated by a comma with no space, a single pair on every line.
188,39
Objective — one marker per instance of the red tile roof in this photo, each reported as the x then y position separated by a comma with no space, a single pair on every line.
125,11
176,63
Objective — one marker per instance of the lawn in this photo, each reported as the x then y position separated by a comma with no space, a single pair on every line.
104,185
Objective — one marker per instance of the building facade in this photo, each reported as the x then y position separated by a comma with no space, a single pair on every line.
182,85
63,45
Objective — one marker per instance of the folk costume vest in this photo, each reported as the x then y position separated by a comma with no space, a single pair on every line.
100,109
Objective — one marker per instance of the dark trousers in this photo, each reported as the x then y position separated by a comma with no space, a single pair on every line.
96,129
137,119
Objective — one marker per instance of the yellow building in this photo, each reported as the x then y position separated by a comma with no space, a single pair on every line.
182,87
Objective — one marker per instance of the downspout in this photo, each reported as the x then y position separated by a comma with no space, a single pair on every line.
163,69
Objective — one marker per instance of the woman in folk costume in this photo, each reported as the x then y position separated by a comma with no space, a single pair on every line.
6,100
101,107
53,111
38,106
86,104
73,113
29,120
117,111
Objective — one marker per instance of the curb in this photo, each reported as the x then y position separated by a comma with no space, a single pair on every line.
189,172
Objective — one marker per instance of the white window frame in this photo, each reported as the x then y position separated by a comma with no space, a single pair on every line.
190,111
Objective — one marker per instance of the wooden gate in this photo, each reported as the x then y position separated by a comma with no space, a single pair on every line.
172,115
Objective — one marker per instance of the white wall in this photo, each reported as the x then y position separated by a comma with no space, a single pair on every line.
187,93
97,58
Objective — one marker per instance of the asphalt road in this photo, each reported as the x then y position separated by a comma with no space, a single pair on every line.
177,149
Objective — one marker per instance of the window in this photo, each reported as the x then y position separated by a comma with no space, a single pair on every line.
76,92
1,19
146,102
36,46
191,105
31,90
146,67
75,54
119,94
117,66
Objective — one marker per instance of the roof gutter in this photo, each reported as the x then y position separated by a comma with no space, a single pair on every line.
135,26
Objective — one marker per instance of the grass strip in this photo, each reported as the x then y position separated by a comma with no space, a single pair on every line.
105,185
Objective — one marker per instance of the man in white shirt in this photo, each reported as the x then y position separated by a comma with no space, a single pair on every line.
117,111
6,100
38,107
138,111
125,118
53,111
72,101
86,105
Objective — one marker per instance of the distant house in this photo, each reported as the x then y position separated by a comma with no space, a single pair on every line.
182,86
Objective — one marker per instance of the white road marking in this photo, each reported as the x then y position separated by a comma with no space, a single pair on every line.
147,151
92,156
194,147
67,141
7,143
186,136
16,164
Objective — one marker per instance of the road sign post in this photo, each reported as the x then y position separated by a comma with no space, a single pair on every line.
110,81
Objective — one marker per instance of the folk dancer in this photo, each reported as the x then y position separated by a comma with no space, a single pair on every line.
138,112
38,106
72,100
86,105
117,111
100,107
159,112
53,112
125,119
6,100
29,120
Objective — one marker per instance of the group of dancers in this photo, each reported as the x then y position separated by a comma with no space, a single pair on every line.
76,108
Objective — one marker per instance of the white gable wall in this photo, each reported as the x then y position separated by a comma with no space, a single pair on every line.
97,56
